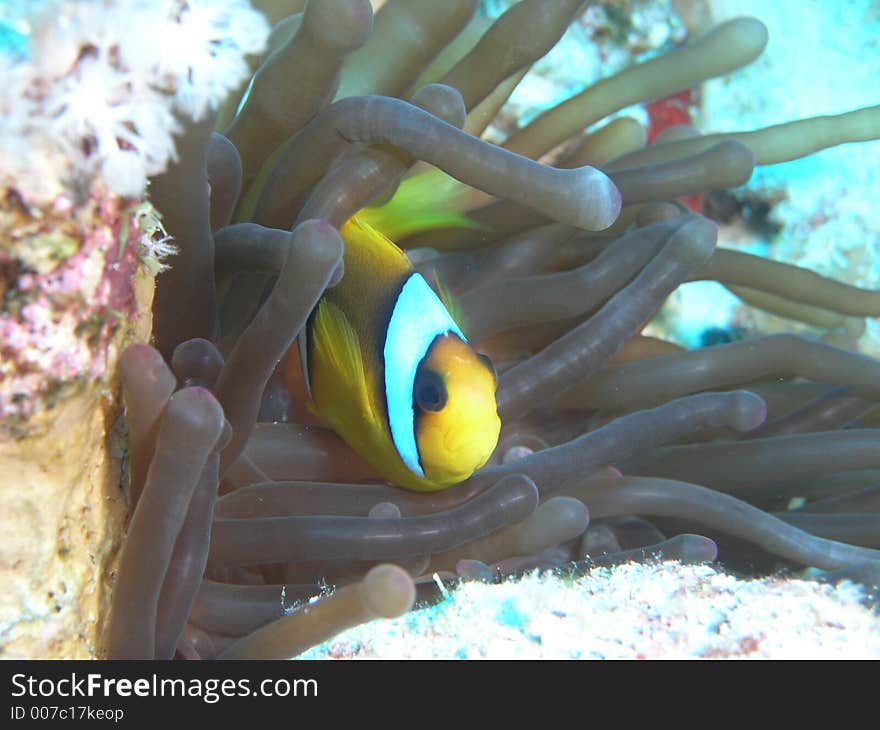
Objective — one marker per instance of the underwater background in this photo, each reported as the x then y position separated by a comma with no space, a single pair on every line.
818,211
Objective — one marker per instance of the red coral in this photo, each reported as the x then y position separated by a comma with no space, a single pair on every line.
673,111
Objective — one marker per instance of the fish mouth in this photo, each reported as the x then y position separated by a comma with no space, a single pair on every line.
475,447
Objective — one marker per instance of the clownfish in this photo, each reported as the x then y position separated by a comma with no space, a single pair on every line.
389,369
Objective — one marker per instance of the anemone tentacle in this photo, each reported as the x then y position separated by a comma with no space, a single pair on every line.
584,397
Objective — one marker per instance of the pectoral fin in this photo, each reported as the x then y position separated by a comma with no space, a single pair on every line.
336,347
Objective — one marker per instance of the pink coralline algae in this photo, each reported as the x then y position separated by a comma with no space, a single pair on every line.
66,288
88,112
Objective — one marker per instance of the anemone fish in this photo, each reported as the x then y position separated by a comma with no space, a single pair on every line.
389,369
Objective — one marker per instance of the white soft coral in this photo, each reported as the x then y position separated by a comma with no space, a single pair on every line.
105,82
201,55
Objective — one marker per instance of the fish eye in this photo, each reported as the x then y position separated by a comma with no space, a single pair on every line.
429,391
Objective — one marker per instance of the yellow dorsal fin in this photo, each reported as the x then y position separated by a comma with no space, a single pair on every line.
428,200
336,343
451,304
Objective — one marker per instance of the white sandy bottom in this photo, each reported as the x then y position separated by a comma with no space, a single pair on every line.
633,611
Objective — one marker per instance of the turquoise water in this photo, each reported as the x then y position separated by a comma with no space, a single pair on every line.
14,29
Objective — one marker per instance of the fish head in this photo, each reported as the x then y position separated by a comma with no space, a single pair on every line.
456,415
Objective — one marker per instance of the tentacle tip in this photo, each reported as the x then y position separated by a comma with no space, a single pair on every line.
571,515
600,201
737,158
617,200
524,486
197,351
342,24
324,242
199,392
198,406
318,225
388,591
609,472
336,276
470,569
755,29
195,341
384,510
442,101
139,355
515,453
711,227
698,236
138,349
143,363
749,410
225,437
697,548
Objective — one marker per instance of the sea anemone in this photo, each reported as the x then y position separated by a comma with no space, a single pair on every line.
614,445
